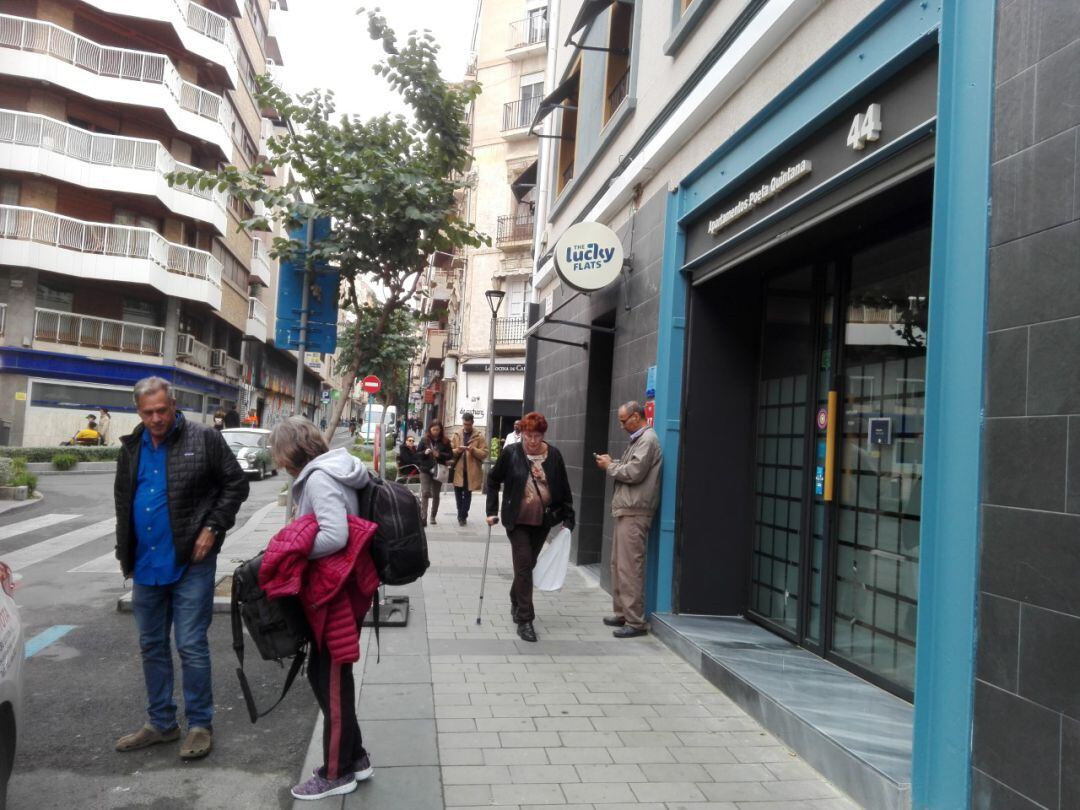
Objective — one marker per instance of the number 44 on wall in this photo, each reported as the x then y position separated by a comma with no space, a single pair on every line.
865,127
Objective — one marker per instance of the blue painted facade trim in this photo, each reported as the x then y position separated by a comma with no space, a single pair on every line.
58,366
949,551
671,342
888,39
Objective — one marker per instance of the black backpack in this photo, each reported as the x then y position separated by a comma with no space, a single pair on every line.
399,548
278,627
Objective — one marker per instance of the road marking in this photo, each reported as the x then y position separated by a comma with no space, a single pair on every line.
33,524
47,637
105,564
25,557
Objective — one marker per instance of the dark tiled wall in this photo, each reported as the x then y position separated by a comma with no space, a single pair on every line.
1027,696
562,371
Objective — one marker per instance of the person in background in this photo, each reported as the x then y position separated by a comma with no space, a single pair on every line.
514,437
103,420
177,491
470,449
433,449
637,494
536,497
325,486
219,420
89,435
232,417
408,459
252,419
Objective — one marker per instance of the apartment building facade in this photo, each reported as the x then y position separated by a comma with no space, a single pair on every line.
108,273
801,191
510,55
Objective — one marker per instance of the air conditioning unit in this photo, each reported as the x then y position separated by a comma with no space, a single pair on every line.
185,345
217,359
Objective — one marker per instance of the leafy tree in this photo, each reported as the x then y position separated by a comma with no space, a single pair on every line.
386,182
391,353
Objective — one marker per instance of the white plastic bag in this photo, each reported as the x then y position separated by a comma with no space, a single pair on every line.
550,571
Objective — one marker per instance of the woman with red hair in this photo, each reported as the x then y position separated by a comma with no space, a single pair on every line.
536,497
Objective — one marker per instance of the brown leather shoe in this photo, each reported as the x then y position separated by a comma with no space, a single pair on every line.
145,737
197,744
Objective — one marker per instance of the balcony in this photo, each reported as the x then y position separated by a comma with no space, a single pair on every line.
42,52
518,117
201,31
258,320
260,263
453,338
515,231
510,330
51,148
436,345
46,241
193,352
86,332
234,369
527,37
618,93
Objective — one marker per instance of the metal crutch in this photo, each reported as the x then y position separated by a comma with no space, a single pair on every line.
483,576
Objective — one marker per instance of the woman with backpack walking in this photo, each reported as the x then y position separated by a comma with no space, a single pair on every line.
433,450
337,560
536,498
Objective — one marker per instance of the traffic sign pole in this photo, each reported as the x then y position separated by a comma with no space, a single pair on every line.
304,302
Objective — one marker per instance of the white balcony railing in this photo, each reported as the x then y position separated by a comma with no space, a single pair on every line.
47,228
234,369
30,129
260,261
37,36
192,351
257,312
72,329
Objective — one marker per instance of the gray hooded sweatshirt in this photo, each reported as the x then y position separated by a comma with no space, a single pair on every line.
326,488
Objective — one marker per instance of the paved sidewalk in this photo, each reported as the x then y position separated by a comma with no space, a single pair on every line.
460,715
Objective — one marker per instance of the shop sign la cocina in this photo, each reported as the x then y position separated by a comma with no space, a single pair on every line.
588,256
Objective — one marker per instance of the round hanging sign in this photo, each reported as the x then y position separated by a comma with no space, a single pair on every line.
588,256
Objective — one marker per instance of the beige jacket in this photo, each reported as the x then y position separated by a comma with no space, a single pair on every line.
476,453
637,476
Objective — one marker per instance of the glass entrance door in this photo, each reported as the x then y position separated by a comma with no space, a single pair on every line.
836,543
879,488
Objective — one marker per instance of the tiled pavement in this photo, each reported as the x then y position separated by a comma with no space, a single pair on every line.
460,715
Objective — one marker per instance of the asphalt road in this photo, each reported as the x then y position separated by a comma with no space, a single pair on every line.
85,689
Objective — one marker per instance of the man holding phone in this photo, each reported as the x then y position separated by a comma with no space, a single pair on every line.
637,494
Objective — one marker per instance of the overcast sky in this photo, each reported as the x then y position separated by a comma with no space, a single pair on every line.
325,44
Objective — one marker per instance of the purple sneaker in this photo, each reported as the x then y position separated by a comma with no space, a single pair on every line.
362,767
318,787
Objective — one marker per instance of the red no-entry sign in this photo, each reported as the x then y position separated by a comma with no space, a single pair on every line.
371,384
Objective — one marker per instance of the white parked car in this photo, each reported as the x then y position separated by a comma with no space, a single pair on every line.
12,654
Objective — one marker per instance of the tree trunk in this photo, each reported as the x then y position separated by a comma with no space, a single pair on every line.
347,383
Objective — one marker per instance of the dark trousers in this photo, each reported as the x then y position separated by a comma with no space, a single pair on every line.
336,693
463,496
525,545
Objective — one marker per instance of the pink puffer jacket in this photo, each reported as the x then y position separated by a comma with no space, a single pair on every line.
336,590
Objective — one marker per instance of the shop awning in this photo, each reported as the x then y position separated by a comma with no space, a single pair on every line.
555,99
589,11
525,182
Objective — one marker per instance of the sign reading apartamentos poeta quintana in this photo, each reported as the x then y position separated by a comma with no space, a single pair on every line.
588,256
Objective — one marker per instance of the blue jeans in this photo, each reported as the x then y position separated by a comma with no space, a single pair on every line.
187,605
463,496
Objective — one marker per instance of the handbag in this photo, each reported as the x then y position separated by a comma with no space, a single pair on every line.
442,473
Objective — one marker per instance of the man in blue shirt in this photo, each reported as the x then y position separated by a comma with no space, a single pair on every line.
178,489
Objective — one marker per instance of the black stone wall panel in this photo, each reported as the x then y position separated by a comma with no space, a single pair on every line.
1027,708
